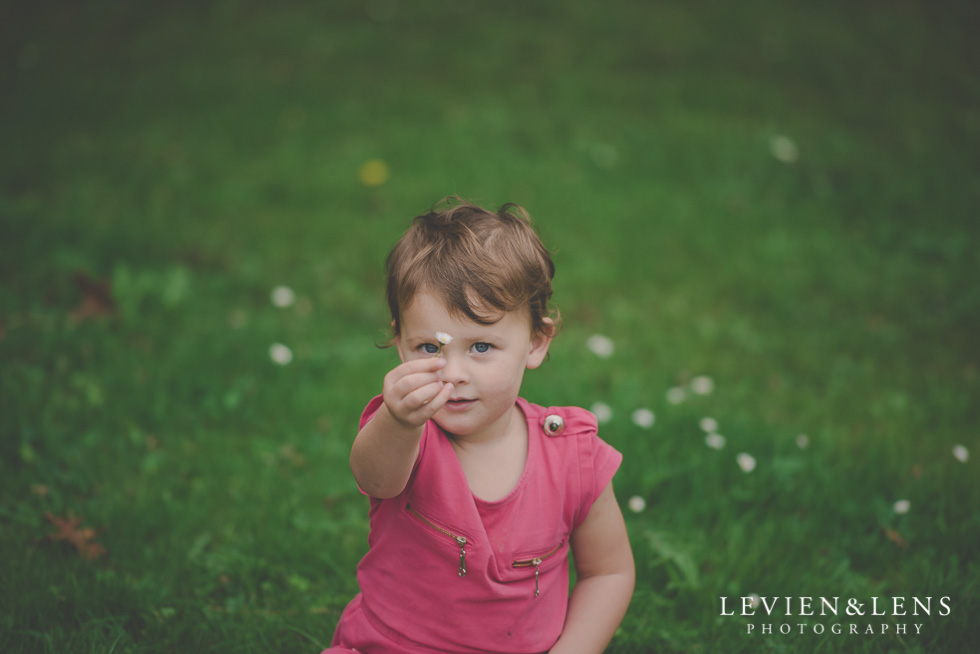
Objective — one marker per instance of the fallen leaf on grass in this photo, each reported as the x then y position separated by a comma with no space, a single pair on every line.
96,299
83,539
895,537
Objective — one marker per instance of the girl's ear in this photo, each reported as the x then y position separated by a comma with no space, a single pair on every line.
540,341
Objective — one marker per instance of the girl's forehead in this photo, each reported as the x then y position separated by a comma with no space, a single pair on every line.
427,310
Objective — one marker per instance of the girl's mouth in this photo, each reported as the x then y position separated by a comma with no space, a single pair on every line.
459,404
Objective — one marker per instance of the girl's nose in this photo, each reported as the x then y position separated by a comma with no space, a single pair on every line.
455,370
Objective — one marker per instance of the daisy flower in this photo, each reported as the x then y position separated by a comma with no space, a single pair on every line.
443,339
702,385
601,346
643,418
784,149
283,296
708,425
280,354
603,412
714,441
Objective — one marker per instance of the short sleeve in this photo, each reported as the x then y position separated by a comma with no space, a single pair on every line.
370,410
598,464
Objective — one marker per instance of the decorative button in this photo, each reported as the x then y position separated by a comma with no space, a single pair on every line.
554,425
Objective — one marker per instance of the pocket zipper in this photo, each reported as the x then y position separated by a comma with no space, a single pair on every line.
460,540
536,562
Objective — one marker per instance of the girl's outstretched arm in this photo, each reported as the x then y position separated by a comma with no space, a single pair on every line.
606,575
385,448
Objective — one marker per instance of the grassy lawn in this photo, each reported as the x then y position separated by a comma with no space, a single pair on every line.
780,197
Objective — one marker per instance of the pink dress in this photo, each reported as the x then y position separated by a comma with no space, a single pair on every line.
449,572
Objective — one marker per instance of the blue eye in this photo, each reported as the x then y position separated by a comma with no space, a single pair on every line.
481,347
430,348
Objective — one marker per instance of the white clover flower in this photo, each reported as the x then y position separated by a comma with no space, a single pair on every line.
601,346
676,395
901,506
708,425
746,462
714,441
283,296
280,354
803,441
783,148
753,601
644,418
961,453
702,385
637,504
603,412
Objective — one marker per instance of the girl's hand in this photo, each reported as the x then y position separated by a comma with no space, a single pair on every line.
414,392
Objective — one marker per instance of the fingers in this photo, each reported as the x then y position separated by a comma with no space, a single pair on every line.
414,392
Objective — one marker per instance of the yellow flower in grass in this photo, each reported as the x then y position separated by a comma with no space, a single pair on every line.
373,172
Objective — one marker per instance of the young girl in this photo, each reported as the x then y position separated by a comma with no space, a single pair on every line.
478,496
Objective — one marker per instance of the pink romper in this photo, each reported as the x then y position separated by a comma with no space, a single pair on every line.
449,572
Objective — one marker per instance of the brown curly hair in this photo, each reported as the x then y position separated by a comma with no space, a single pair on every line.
483,264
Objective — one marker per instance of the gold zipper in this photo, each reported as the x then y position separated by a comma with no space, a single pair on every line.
460,540
536,562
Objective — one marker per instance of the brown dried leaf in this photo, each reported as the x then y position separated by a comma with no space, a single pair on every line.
895,537
96,299
83,539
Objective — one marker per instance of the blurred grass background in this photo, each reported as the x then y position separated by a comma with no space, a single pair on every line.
781,196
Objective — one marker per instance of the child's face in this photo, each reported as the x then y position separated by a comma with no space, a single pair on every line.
485,363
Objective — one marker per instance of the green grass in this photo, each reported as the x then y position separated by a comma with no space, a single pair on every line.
196,156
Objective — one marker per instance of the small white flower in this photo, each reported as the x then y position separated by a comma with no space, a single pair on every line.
603,412
601,346
961,453
443,339
783,148
283,296
803,441
637,504
676,395
708,425
280,354
714,441
702,385
746,462
753,601
643,418
901,506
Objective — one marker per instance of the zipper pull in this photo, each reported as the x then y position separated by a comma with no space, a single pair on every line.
462,555
537,571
